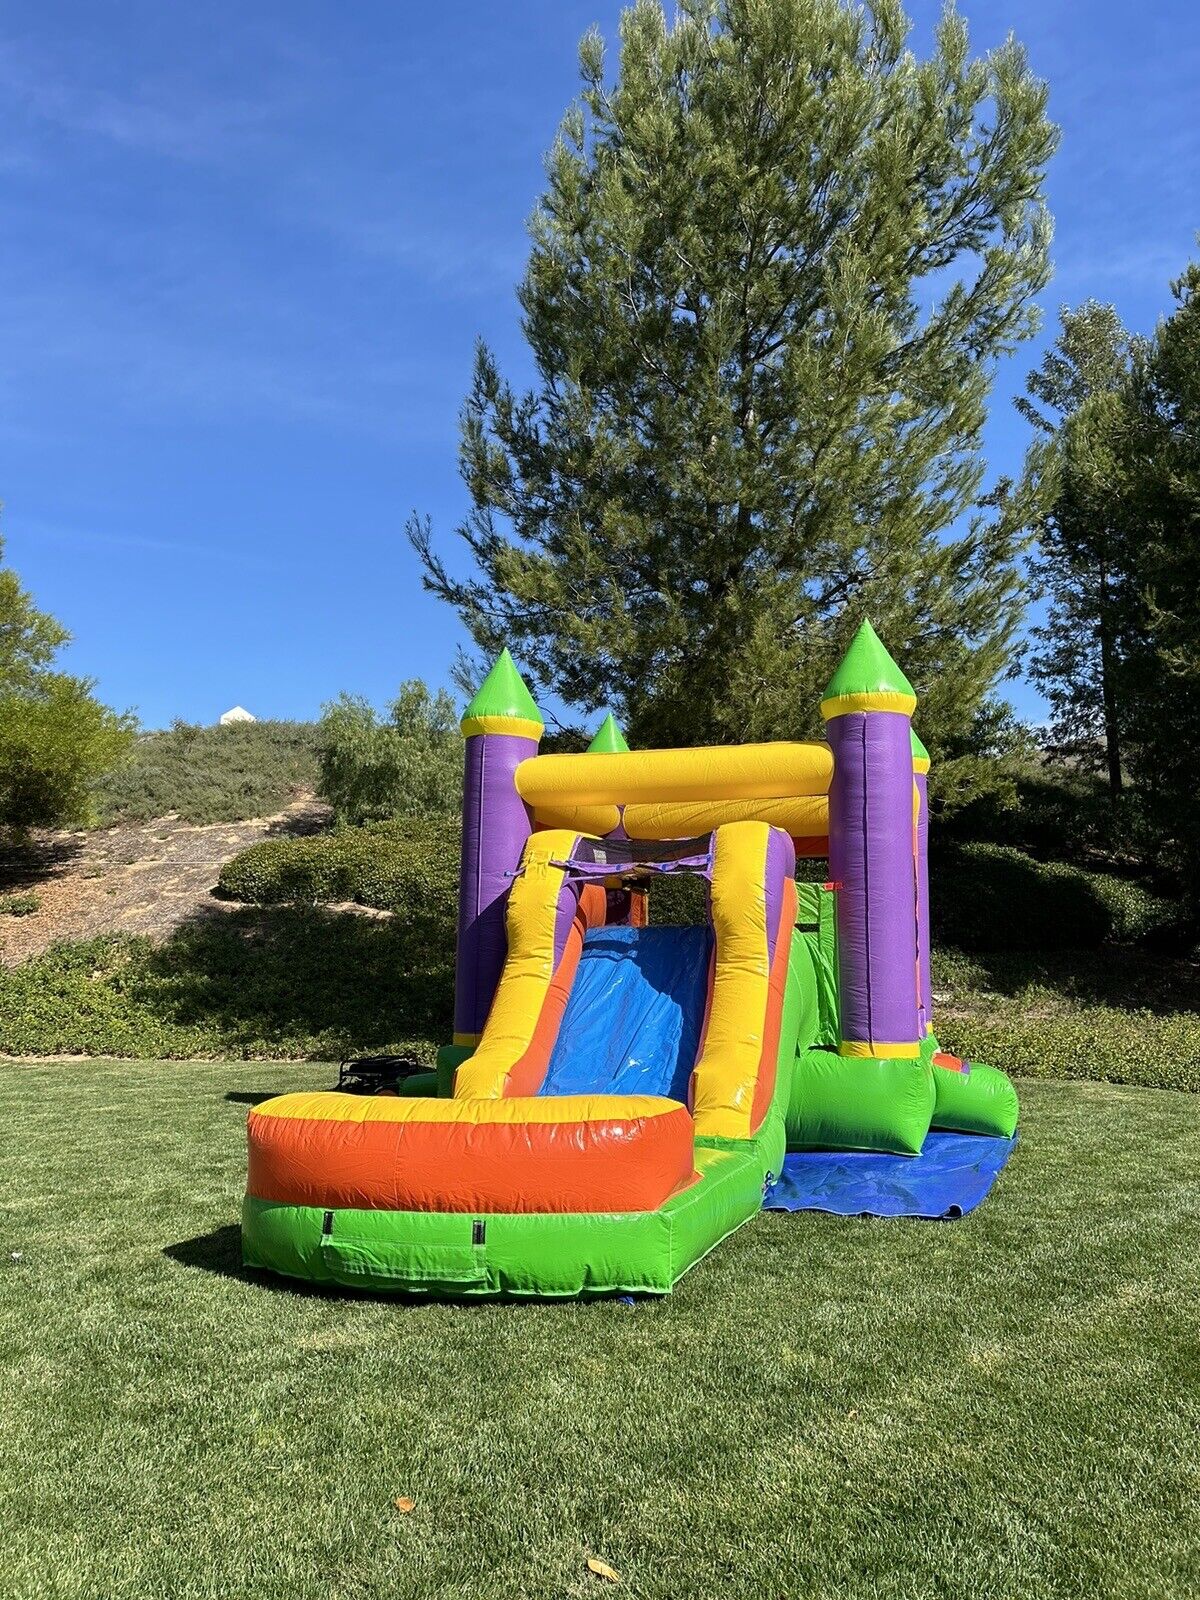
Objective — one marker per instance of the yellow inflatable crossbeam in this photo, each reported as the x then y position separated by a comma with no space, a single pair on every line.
556,783
804,816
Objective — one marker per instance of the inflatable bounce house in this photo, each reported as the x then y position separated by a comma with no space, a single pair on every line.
620,1094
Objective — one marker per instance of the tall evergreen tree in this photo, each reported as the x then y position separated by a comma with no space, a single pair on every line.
772,271
1162,651
1077,403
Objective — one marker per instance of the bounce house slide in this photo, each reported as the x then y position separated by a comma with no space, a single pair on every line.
619,1096
636,1010
622,1112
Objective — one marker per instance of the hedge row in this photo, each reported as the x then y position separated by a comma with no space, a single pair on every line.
269,982
305,981
994,897
1119,1015
276,979
406,867
984,897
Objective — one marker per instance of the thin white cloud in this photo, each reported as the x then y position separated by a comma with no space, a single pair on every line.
155,362
34,531
1150,266
164,117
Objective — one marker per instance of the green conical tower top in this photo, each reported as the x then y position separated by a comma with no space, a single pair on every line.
867,679
919,752
609,740
503,704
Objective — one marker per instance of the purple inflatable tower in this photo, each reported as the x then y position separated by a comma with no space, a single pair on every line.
502,727
920,761
872,855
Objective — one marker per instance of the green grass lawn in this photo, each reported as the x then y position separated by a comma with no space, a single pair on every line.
1004,1406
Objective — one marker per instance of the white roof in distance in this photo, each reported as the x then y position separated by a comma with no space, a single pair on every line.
236,714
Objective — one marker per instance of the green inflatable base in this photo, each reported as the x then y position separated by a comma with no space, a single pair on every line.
454,1255
979,1101
422,1085
843,1103
449,1058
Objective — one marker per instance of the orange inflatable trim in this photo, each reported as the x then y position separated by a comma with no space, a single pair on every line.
528,1074
629,1156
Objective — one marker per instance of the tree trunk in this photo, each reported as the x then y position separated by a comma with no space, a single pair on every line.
1108,691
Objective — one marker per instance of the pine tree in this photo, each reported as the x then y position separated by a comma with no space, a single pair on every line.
1161,670
772,272
1083,557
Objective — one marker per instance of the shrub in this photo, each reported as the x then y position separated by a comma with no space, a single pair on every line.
249,983
405,866
678,898
55,737
1122,1016
55,742
407,764
993,897
19,905
214,774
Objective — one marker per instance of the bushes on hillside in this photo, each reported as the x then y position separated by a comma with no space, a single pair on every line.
216,774
408,763
249,982
984,897
1124,1016
1062,815
992,897
409,867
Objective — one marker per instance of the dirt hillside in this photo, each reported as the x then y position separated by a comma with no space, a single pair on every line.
141,878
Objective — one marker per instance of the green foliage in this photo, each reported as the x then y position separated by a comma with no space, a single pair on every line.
1082,538
29,639
406,866
678,899
1161,510
770,276
992,897
289,981
408,763
1053,811
55,737
214,774
56,740
985,897
19,905
1119,1015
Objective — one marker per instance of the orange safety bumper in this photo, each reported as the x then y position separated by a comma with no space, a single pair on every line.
571,1153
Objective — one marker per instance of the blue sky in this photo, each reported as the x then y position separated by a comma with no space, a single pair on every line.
248,248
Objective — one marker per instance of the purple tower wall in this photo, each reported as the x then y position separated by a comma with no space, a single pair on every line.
924,978
496,825
871,859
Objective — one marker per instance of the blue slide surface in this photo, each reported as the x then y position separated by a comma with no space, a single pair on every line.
633,1019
